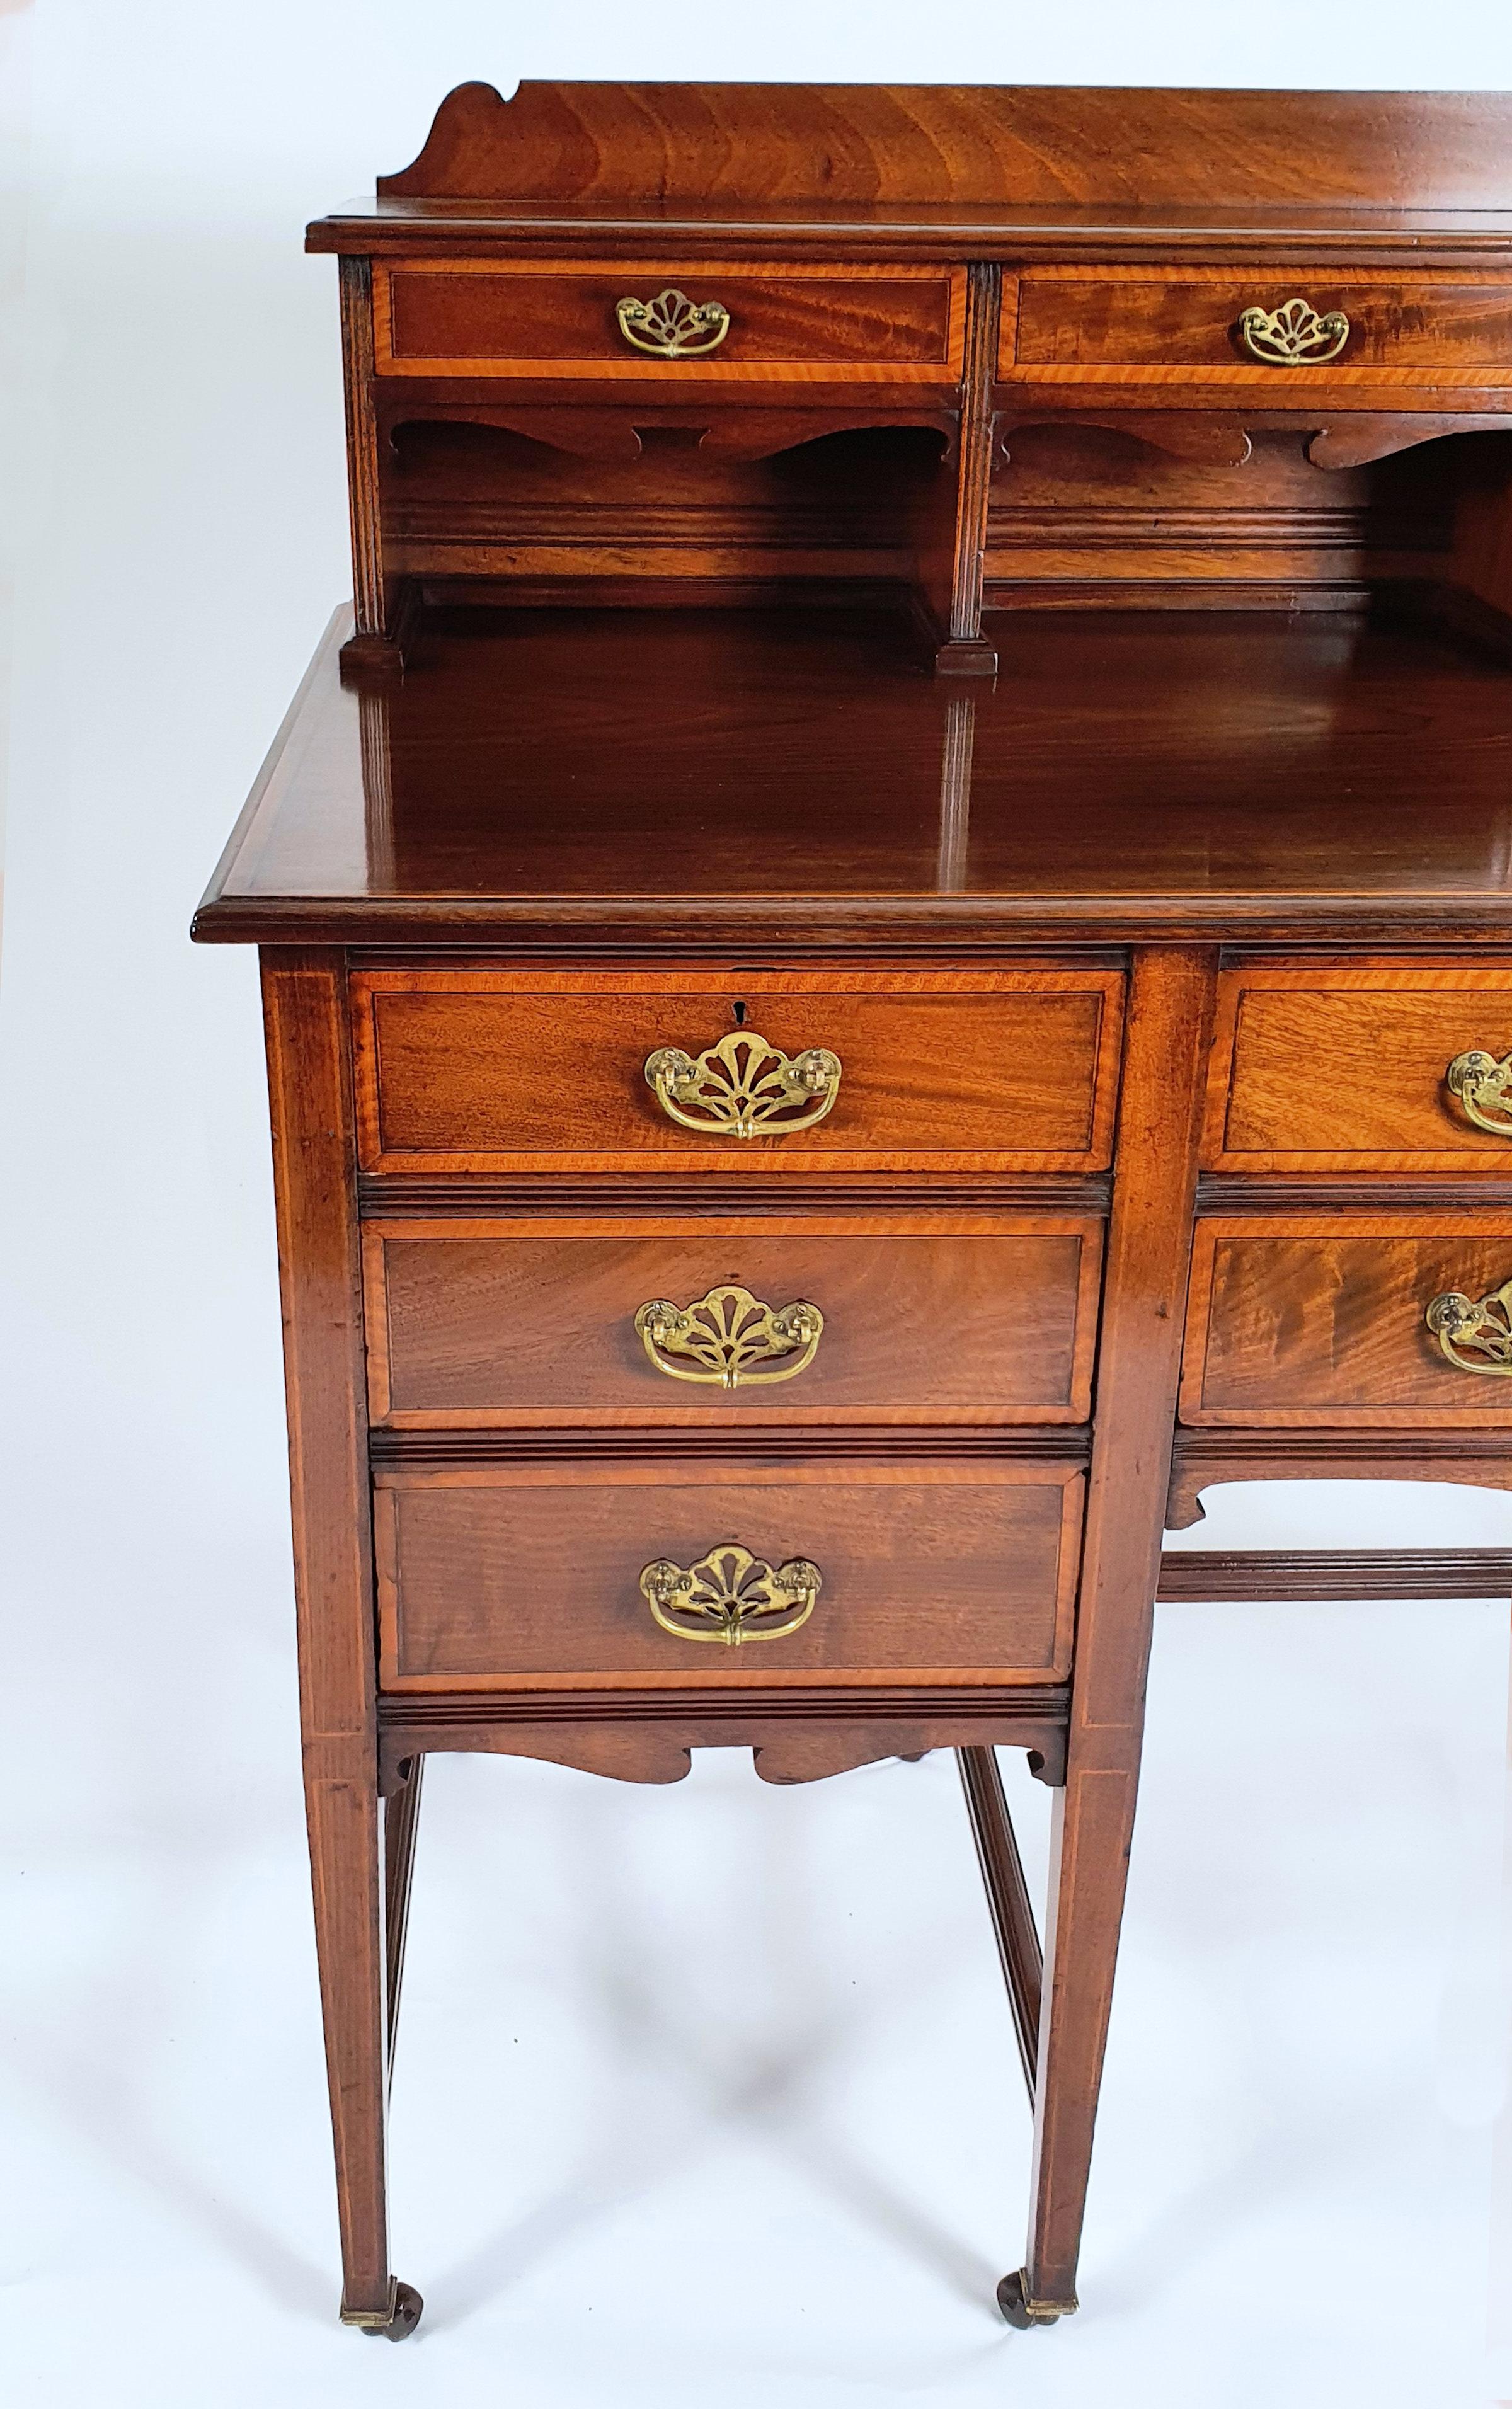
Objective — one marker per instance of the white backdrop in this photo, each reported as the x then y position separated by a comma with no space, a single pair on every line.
710,2089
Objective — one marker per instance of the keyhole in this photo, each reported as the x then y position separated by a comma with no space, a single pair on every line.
738,1010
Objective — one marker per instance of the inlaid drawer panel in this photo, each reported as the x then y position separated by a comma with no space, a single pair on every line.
1268,327
922,1318
666,321
1351,1322
725,1573
494,1071
1381,1068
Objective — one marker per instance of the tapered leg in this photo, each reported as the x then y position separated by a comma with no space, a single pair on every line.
1149,1242
313,1164
401,1821
1008,1898
344,1822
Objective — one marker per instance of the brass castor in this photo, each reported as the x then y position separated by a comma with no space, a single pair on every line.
403,2319
1024,2313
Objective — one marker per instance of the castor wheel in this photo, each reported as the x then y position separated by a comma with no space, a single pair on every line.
1024,2313
407,2305
401,2320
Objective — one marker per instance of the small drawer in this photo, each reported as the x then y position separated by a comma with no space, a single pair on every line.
1271,327
491,1072
1389,1068
790,1319
1346,1322
691,1575
667,320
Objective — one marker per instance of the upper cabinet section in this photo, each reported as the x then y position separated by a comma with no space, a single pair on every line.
960,351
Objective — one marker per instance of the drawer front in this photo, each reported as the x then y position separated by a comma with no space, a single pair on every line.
1132,325
924,1318
1349,1070
487,1072
514,1577
696,318
1322,1321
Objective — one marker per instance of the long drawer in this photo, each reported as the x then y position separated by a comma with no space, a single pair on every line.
1273,329
663,321
494,1072
687,1575
1350,1321
1379,1067
731,1320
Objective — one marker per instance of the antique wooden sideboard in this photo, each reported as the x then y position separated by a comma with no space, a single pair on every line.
887,949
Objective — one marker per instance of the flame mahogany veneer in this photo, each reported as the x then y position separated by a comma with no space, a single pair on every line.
1144,938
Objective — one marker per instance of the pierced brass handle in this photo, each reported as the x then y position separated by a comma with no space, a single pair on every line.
733,1595
744,1088
1485,1326
723,1338
1484,1087
1294,336
672,326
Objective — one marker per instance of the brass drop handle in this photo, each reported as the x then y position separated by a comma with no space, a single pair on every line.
1483,1326
729,1339
1484,1087
730,1596
672,327
743,1087
1294,336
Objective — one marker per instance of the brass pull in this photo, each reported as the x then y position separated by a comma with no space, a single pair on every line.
733,1595
1294,336
672,327
744,1088
1484,1087
724,1337
1485,1326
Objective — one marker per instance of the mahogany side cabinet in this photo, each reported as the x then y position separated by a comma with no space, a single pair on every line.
888,948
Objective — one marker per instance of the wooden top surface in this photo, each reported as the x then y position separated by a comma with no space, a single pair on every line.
1295,235
959,170
577,777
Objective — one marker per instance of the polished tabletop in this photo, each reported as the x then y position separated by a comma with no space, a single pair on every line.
609,775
